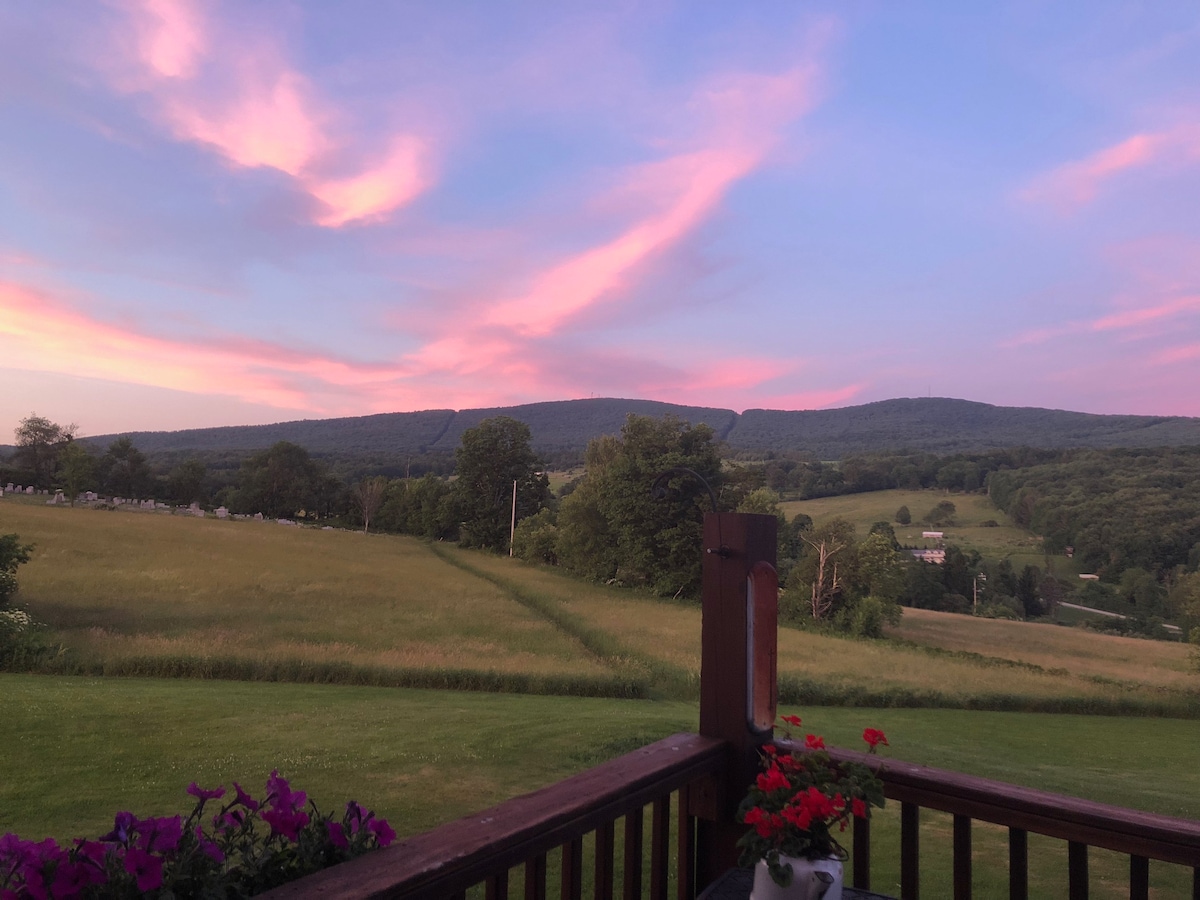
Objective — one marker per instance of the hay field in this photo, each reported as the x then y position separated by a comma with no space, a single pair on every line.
121,585
143,594
1046,666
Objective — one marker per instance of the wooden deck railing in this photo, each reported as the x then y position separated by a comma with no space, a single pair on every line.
482,849
1081,823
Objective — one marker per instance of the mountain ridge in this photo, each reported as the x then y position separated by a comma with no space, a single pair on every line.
931,424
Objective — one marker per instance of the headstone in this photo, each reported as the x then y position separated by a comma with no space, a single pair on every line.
258,517
29,490
9,487
58,498
221,512
197,512
285,521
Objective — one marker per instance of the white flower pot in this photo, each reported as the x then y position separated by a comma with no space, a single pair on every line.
812,879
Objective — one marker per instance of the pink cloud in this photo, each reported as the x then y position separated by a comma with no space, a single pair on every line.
740,117
41,332
233,91
375,192
1178,354
1076,184
1134,317
171,36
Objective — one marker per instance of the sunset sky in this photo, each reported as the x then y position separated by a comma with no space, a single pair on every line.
236,213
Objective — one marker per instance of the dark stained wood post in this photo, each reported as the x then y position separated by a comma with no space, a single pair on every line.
737,699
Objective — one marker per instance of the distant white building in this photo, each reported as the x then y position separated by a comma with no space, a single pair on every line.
937,557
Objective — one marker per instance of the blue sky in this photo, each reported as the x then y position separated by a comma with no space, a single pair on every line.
216,213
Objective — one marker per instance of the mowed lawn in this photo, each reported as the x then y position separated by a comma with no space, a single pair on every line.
79,749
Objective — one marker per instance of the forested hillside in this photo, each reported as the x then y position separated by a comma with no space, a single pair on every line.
933,425
1118,510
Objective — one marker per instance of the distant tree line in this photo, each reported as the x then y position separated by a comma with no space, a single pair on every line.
803,477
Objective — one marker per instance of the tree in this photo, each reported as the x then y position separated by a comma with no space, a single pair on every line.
368,495
903,516
39,442
612,526
881,567
941,514
1027,591
828,569
185,483
76,469
12,554
277,482
124,471
536,538
493,457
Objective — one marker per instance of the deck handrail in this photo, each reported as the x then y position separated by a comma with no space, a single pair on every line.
1144,836
1153,835
446,861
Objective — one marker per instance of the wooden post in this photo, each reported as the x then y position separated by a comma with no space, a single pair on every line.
737,682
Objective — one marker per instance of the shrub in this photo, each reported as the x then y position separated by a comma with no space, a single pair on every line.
12,554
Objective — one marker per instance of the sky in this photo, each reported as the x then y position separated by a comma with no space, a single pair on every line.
239,213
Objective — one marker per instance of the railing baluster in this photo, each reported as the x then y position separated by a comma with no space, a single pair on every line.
605,838
572,870
1018,864
1139,878
632,864
910,851
862,854
496,887
686,838
962,857
1077,870
660,839
535,878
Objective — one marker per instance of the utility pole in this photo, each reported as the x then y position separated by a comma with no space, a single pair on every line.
512,529
975,590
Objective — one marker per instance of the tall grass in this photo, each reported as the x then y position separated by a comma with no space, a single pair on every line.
180,597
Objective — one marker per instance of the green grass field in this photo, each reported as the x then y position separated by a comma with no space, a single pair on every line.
129,592
79,749
1003,540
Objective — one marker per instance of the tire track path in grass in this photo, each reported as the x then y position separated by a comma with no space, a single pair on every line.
661,679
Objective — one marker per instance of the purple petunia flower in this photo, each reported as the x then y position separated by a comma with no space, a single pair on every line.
245,799
201,794
160,835
208,848
337,835
280,794
382,830
123,827
286,822
146,867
